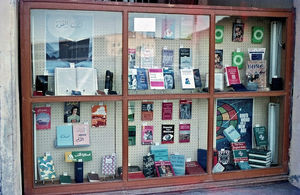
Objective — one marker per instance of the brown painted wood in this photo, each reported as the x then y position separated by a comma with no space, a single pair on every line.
209,179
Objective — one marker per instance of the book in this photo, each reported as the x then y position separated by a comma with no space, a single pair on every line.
132,78
224,157
141,78
83,80
160,152
202,157
148,165
232,75
131,58
74,51
178,164
136,175
43,117
169,80
109,164
261,136
46,168
131,169
185,109
167,134
99,115
256,71
131,135
156,78
72,112
237,32
218,168
147,111
81,134
185,59
186,27
167,58
78,169
238,59
164,169
131,111
219,34
147,134
147,57
184,133
167,110
168,28
244,165
239,151
187,79
65,179
260,152
197,78
232,134
193,168
219,58
93,177
219,81
64,136
257,34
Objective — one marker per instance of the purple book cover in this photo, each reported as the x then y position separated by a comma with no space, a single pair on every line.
167,110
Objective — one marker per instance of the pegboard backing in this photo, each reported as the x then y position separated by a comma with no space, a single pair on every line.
198,130
199,45
103,140
106,43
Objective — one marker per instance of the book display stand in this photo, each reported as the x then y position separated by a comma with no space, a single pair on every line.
152,95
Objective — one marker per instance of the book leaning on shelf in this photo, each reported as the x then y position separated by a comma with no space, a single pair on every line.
46,168
232,75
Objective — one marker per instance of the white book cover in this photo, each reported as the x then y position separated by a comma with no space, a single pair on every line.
156,78
187,78
65,81
87,81
147,57
132,78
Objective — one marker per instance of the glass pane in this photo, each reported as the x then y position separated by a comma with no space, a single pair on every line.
76,52
251,53
248,133
167,53
167,138
84,135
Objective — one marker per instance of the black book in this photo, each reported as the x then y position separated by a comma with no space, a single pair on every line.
79,172
148,165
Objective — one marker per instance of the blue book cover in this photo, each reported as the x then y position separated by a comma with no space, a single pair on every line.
64,136
231,134
185,59
169,80
202,158
160,152
167,58
142,82
197,78
178,164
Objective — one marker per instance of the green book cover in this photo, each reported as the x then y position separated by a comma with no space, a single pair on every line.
261,136
131,107
238,59
219,34
131,135
257,34
65,179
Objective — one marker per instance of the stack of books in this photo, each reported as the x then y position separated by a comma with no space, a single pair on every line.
259,158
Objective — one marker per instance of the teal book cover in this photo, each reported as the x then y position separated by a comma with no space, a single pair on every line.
64,136
46,168
178,164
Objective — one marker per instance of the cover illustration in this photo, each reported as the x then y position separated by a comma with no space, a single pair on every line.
148,165
169,78
184,133
72,112
131,58
109,165
43,118
147,111
167,58
46,167
167,110
99,115
81,134
164,169
167,134
147,135
185,59
142,82
185,109
168,28
64,136
256,71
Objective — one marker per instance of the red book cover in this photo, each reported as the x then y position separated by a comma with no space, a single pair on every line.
193,168
164,169
167,110
147,135
43,118
232,75
99,115
147,111
184,133
136,175
239,151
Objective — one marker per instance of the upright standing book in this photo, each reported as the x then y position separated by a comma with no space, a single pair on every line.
131,58
131,135
131,111
184,133
169,78
185,109
239,151
167,134
141,78
156,78
160,152
109,164
147,57
167,110
72,112
164,169
148,165
43,117
168,28
197,78
167,58
256,71
185,59
132,78
261,136
187,79
219,58
178,164
147,134
232,75
147,111
46,167
64,136
81,134
99,115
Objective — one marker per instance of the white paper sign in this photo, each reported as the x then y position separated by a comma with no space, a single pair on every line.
144,24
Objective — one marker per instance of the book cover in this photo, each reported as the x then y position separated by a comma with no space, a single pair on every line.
169,78
239,152
43,117
142,81
72,112
185,109
257,34
46,167
147,111
238,32
238,59
235,112
167,134
186,27
184,133
156,78
224,157
93,177
64,136
81,134
109,164
65,179
78,169
261,136
168,28
164,169
256,71
185,58
167,58
131,135
167,110
231,134
147,58
131,111
232,75
132,79
219,34
147,134
99,115
160,152
219,58
193,168
148,165
218,168
187,79
131,58
202,157
178,164
197,78
244,165
136,175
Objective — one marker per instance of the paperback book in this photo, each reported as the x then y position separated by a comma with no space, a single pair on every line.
147,111
167,58
141,78
132,79
232,75
169,78
160,152
93,177
187,79
224,157
256,71
72,112
131,135
167,134
65,179
99,115
185,59
184,133
185,109
156,78
186,27
261,136
239,152
43,117
64,136
193,168
164,169
168,28
147,134
131,58
219,58
131,111
46,167
148,165
109,164
178,164
147,57
197,78
81,134
167,110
